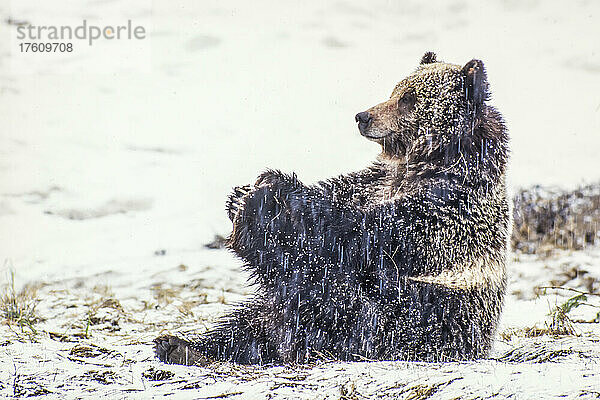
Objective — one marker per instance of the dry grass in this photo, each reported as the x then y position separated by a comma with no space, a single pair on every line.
19,308
547,219
560,322
527,332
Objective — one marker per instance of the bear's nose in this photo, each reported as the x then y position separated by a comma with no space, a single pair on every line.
363,117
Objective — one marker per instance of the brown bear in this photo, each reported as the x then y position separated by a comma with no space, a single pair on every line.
404,260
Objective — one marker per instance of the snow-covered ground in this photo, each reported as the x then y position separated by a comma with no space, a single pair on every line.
116,160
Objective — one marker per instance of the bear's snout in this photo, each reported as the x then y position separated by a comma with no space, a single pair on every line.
364,120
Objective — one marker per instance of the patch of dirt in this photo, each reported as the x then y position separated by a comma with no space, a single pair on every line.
153,374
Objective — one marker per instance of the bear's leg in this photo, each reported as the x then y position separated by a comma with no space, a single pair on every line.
286,223
264,236
240,338
274,242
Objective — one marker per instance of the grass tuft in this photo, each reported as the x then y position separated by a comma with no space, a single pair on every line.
19,308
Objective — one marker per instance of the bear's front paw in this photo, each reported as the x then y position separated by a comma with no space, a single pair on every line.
273,178
235,200
172,350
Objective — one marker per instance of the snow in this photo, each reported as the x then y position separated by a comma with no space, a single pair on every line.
117,151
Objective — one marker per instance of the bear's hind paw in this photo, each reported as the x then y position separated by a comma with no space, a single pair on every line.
172,350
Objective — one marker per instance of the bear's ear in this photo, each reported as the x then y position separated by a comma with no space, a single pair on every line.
428,58
476,84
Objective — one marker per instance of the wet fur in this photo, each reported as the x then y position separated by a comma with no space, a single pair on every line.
401,261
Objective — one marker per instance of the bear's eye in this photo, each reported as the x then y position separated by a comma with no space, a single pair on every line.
406,102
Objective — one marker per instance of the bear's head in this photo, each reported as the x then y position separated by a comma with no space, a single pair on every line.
438,116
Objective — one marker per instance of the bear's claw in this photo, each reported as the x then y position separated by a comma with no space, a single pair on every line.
235,200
